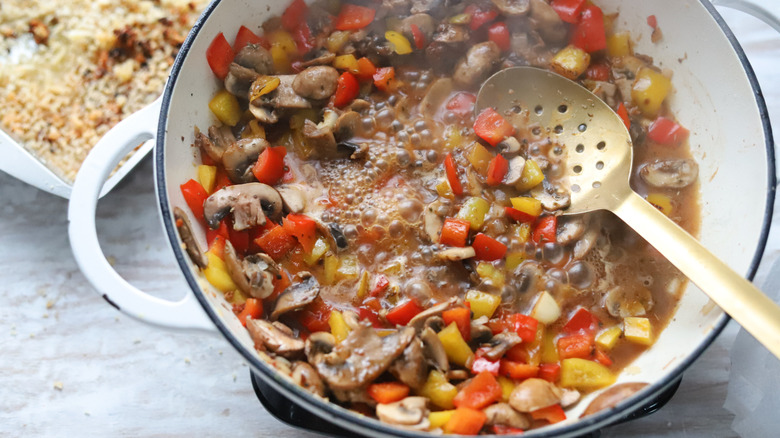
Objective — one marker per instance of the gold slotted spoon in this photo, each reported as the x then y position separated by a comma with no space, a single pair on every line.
598,168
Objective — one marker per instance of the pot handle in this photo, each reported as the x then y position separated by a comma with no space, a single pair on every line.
751,8
116,144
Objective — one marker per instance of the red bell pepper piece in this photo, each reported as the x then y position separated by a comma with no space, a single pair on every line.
303,39
568,10
346,90
602,358
194,195
500,429
369,311
403,313
221,231
294,15
579,345
219,56
383,78
497,169
492,127
353,17
652,21
462,104
381,285
550,372
488,248
525,326
244,37
518,371
388,392
452,174
499,34
623,113
551,414
482,391
315,316
519,216
222,180
481,364
276,242
303,228
366,69
589,34
269,168
280,284
465,421
546,229
598,72
461,316
582,321
667,132
480,16
454,232
239,240
252,308
418,37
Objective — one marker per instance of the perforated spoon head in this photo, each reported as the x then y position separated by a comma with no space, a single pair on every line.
596,144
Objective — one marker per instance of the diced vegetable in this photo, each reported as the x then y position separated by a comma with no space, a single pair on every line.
497,169
461,317
518,371
452,175
582,321
487,271
276,242
531,177
330,267
474,211
216,273
315,316
552,414
609,337
488,248
546,229
602,358
638,330
482,391
482,303
388,392
346,90
418,37
403,313
252,308
597,72
661,202
454,232
578,345
519,216
353,17
285,41
548,349
667,132
337,40
623,113
321,246
269,168
585,375
570,62
568,10
294,14
507,386
400,43
207,175
550,372
480,15
346,62
246,36
365,69
513,260
492,127
225,106
466,421
194,195
443,189
462,104
439,390
619,44
649,91
383,78
499,34
652,21
303,228
589,34
348,268
452,138
528,205
522,232
219,56
481,364
440,418
458,351
381,285
480,157
525,326
280,59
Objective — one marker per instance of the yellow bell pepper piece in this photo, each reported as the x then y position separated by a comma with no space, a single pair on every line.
298,119
619,44
346,62
662,202
338,326
527,205
649,90
482,303
363,285
281,60
480,157
570,62
513,260
460,19
452,137
522,231
486,270
585,375
253,130
225,106
608,338
439,390
237,297
531,177
458,351
400,43
440,418
216,273
283,39
473,211
549,351
349,268
507,386
444,190
262,86
321,246
206,176
337,40
638,330
330,268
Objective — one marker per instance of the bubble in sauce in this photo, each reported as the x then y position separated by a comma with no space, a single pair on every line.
410,210
580,275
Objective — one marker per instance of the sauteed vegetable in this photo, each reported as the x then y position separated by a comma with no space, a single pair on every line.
397,254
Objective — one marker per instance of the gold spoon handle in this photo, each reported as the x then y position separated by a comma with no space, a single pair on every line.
744,302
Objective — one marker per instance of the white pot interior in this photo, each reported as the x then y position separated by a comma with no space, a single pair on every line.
713,98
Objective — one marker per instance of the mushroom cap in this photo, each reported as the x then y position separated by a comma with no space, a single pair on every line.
190,244
239,157
250,204
407,412
254,275
503,414
670,174
274,339
533,394
297,295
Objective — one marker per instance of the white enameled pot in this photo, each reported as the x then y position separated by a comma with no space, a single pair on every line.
716,96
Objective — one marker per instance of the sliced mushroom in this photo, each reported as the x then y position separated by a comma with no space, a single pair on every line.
293,199
250,204
501,343
275,339
513,7
612,396
338,236
588,241
346,126
206,146
254,275
306,376
670,174
477,64
321,140
509,145
459,375
451,34
218,140
548,22
623,301
515,172
263,114
433,350
432,222
319,343
298,295
532,394
457,254
240,156
434,98
411,368
361,357
435,323
570,229
323,58
357,395
360,106
480,333
190,244
570,397
418,321
502,414
316,83
407,412
284,96
552,198
256,57
239,79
